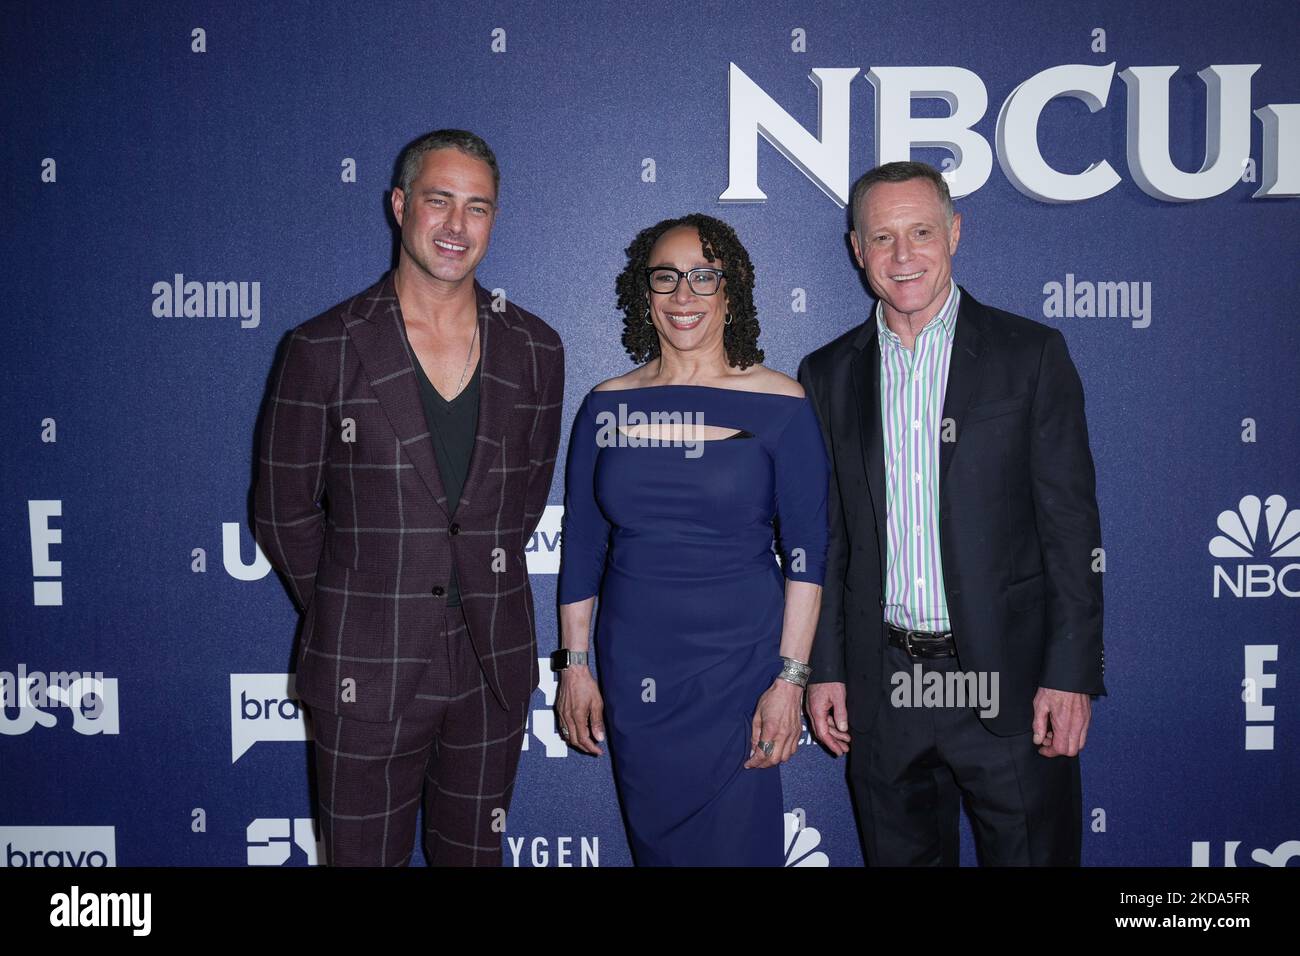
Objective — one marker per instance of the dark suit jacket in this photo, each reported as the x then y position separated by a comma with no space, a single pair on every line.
351,510
1017,515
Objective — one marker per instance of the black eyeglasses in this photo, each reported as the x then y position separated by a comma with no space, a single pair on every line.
665,280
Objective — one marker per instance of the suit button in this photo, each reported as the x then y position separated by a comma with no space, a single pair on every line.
438,591
455,528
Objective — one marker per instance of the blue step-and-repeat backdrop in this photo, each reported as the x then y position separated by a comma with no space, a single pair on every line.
1126,172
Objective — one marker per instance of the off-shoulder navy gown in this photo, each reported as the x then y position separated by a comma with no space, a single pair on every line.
677,540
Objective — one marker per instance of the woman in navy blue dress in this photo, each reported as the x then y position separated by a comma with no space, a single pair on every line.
680,477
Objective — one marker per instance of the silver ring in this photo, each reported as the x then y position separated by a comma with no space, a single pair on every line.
767,746
564,731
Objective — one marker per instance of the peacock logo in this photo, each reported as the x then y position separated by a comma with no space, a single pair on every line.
801,842
1241,536
1253,533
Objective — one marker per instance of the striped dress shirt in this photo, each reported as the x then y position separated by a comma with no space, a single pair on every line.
912,386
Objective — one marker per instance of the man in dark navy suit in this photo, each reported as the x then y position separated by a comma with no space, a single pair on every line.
960,637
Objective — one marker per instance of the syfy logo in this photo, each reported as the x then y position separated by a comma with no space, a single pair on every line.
543,550
1243,537
208,300
825,159
271,841
59,846
91,699
264,707
541,723
1283,855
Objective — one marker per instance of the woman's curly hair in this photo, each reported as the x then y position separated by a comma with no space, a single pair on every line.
720,244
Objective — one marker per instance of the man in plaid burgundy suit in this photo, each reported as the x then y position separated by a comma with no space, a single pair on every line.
405,458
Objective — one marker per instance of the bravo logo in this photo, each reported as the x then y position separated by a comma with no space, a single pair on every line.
264,707
1251,535
58,846
543,549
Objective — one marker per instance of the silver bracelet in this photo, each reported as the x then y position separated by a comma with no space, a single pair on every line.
796,672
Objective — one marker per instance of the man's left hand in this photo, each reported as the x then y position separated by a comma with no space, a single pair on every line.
1061,719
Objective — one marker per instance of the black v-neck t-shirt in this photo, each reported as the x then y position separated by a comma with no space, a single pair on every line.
452,427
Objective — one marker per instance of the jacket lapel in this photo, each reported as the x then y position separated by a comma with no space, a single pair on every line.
378,333
964,370
866,405
497,392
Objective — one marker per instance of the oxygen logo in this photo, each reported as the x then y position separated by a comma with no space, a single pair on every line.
565,851
1244,537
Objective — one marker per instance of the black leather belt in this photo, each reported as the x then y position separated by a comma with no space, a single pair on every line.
925,644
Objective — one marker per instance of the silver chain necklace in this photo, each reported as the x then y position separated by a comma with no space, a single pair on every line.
467,357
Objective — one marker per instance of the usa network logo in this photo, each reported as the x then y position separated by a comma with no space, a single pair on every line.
1253,534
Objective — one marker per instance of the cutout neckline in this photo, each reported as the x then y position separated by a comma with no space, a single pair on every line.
712,388
738,433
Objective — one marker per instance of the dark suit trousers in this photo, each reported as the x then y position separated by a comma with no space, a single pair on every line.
454,747
909,774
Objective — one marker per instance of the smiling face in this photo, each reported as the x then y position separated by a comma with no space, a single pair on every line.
686,321
447,217
903,242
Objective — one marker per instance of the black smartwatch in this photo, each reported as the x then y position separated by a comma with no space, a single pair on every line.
566,658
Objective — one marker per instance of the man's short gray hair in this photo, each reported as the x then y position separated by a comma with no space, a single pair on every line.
412,158
900,172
